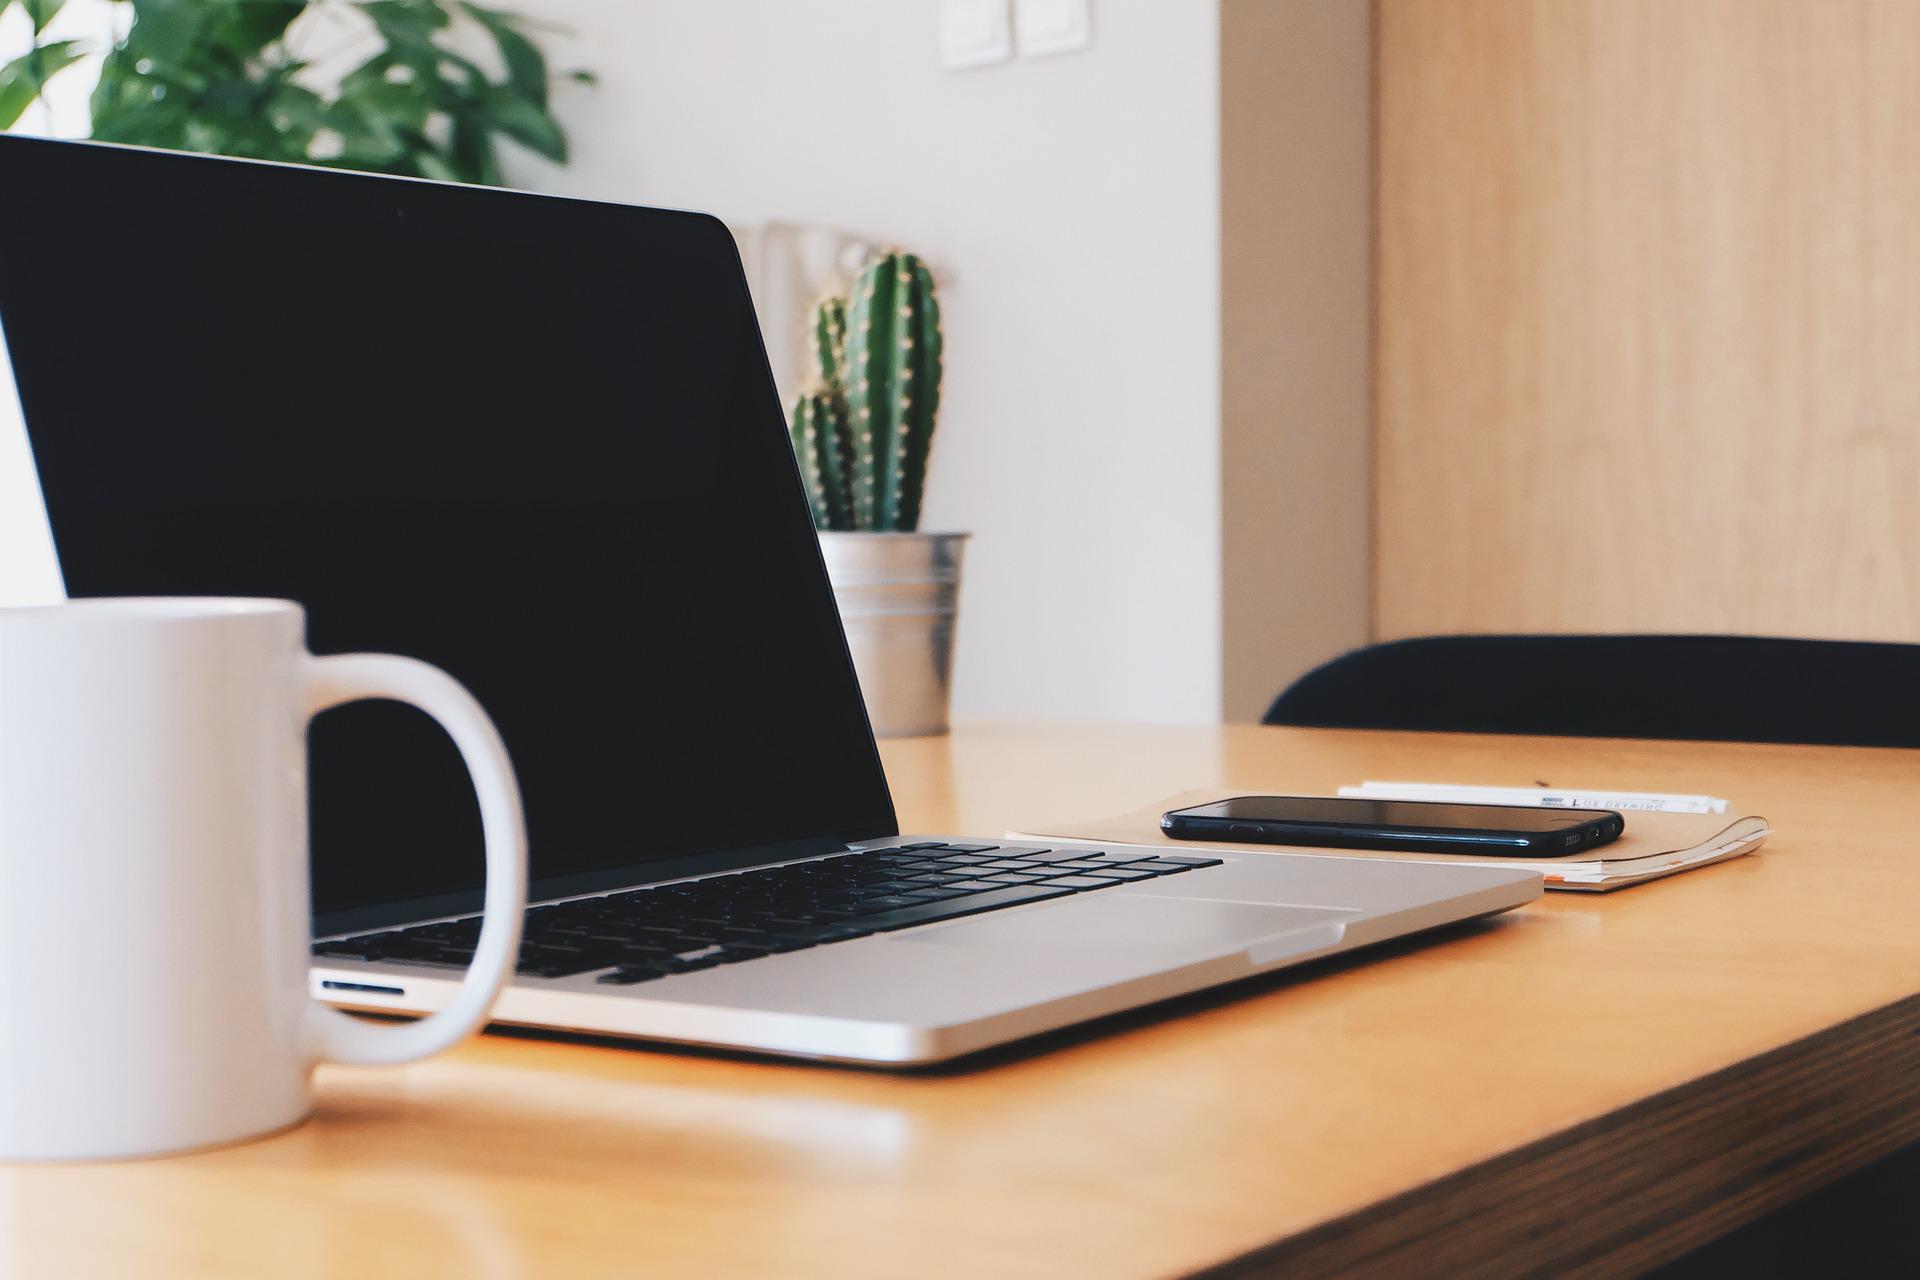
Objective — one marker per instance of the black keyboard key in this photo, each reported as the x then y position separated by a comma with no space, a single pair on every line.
1119,874
452,930
892,901
749,948
887,886
966,905
616,934
449,960
649,940
567,955
1079,882
557,946
563,949
1169,866
977,884
971,848
412,949
627,975
819,933
557,968
349,949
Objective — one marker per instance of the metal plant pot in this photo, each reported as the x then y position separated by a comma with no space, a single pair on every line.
899,596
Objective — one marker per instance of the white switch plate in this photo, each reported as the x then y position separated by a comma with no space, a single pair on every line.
974,33
1052,26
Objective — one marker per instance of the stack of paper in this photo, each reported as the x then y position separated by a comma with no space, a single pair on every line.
1665,834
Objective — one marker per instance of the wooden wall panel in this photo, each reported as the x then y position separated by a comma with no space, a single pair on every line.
1648,316
1296,191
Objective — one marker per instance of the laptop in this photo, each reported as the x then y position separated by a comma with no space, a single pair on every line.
536,442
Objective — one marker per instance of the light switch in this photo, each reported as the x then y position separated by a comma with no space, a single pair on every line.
974,33
1052,26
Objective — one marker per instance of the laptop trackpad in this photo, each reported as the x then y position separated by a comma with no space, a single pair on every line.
1133,922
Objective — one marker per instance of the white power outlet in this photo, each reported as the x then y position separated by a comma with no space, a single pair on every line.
974,33
1052,26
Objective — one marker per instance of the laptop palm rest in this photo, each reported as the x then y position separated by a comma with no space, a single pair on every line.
1163,926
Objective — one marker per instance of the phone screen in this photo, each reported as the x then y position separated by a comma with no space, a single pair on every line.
1392,813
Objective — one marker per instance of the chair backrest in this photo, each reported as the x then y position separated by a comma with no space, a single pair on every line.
1729,688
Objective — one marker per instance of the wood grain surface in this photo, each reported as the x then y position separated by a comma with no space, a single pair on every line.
1586,1086
1648,317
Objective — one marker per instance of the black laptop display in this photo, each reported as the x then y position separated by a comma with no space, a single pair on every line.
509,434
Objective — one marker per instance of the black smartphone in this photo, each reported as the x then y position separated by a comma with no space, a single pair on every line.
1484,830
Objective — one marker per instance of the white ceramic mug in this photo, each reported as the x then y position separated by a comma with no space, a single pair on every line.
154,918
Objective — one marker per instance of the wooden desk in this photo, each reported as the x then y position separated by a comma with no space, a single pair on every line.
1588,1086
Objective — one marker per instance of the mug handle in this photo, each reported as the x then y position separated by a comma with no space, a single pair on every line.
350,677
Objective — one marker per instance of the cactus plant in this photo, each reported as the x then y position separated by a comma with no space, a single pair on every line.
820,443
864,429
827,342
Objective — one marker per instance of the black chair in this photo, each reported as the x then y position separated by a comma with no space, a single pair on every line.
1726,688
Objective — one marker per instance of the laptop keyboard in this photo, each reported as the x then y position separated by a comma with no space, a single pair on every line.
642,934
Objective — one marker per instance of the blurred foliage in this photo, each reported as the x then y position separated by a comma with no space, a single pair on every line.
224,76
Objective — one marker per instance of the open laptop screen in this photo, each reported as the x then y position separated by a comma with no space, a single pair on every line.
531,440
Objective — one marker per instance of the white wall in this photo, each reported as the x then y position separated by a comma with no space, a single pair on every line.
1070,205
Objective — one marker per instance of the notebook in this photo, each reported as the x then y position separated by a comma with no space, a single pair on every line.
1655,844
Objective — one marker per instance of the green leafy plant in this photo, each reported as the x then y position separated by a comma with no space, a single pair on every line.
863,427
226,76
22,79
